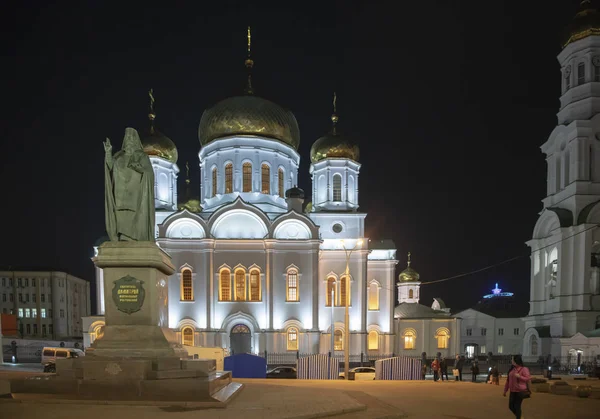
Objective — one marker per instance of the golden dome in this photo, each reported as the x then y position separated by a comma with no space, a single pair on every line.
156,144
585,23
192,205
334,145
249,115
409,274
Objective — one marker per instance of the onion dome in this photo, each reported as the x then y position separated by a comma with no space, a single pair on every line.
334,144
249,115
409,274
189,202
294,192
155,143
585,23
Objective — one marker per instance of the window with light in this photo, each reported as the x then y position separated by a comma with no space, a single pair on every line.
500,349
410,338
292,285
228,178
374,296
265,179
442,336
331,292
214,182
254,285
373,340
343,290
188,336
338,340
247,177
411,293
292,339
240,285
534,345
186,285
280,183
337,187
225,285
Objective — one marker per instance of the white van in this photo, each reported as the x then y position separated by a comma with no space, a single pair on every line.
50,355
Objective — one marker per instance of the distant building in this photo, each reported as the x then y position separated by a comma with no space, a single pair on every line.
420,328
47,304
493,325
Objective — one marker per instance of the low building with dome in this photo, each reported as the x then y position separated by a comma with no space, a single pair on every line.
420,328
258,268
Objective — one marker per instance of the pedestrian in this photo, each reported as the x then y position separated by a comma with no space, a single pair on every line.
458,366
474,371
435,367
495,375
444,369
517,383
423,370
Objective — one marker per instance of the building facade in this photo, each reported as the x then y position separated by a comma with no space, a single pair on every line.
258,269
47,304
565,273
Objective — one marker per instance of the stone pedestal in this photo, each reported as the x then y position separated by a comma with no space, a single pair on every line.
138,358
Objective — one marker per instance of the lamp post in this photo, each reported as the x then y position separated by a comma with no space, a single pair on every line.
347,308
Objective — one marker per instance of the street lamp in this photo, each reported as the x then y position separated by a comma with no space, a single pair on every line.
347,312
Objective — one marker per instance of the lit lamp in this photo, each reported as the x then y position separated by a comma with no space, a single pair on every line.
346,304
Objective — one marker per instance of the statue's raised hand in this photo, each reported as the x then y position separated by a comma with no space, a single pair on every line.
107,146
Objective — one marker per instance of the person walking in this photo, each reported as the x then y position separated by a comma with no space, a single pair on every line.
458,365
435,367
517,383
474,371
495,375
444,369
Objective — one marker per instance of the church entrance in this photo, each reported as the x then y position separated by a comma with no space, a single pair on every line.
240,339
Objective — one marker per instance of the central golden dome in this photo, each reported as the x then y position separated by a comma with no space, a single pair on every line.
586,23
248,115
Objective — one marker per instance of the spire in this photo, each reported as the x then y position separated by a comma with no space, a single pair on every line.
334,117
249,64
151,114
408,263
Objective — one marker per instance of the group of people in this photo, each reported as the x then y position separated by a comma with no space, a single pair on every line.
439,367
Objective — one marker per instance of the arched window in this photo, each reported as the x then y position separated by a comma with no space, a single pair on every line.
214,182
410,338
338,341
266,179
580,74
442,335
187,293
343,290
247,177
292,339
228,178
240,285
534,345
225,285
331,292
373,340
254,285
292,285
187,336
280,182
337,187
411,293
374,296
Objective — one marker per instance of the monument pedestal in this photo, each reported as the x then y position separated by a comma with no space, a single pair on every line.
138,358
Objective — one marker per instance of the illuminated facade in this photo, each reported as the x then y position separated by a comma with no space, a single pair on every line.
565,273
256,267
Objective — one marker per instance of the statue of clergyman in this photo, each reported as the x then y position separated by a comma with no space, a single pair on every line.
129,191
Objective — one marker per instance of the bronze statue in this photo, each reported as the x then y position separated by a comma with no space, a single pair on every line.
129,191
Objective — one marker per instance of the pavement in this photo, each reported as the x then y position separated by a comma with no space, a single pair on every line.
303,399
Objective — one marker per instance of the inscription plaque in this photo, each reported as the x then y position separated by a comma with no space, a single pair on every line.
128,294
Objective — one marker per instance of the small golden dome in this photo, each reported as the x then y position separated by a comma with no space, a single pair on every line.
409,274
585,23
334,145
249,115
192,205
156,144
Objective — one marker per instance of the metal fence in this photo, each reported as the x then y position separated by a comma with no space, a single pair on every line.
318,367
290,358
398,368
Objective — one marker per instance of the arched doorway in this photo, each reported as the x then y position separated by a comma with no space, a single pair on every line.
240,339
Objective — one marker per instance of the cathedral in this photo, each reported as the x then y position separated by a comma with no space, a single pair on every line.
258,268
564,316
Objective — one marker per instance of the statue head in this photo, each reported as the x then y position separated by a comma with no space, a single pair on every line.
131,141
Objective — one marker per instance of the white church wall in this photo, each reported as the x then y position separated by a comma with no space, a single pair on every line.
382,274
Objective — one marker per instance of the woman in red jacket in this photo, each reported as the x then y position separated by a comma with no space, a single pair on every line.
516,382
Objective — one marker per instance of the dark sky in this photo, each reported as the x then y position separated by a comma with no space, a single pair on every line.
450,102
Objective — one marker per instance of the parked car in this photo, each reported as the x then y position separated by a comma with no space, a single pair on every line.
361,373
282,372
49,356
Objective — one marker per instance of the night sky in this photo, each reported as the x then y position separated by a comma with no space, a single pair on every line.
450,102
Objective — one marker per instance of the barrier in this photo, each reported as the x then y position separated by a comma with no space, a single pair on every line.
398,368
246,366
318,367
